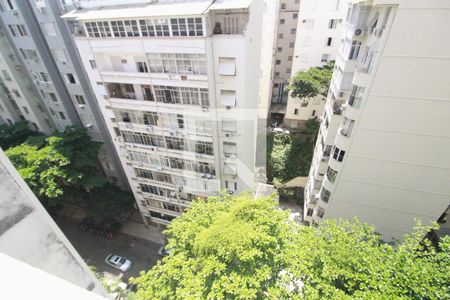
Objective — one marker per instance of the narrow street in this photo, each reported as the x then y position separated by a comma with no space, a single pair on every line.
94,249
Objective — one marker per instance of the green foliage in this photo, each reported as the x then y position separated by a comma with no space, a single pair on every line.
315,81
51,164
13,135
106,202
245,248
290,156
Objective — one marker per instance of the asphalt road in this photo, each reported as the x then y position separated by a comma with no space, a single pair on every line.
94,249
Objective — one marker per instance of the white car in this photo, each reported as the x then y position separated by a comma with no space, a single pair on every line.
164,250
280,130
118,262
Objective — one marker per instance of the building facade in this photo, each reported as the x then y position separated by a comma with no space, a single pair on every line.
319,36
283,52
29,235
381,153
42,79
182,87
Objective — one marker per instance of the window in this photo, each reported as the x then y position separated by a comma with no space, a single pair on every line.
61,115
70,78
125,28
296,111
313,113
325,194
320,212
29,54
354,50
60,55
329,41
280,36
356,96
288,70
310,211
331,175
282,21
279,49
11,29
332,24
277,74
181,95
25,109
278,62
80,99
44,77
53,97
294,15
283,5
187,27
229,125
93,64
325,58
5,75
291,45
49,29
229,168
142,67
155,27
10,4
289,58
22,30
227,66
293,31
309,24
338,154
307,41
177,63
228,98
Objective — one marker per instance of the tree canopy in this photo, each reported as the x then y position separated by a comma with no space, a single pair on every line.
51,164
244,248
289,156
309,84
15,134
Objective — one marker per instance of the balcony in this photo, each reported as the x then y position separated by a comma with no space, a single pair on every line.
229,22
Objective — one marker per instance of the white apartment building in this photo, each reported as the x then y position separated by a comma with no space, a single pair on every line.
319,33
382,149
42,79
284,51
181,85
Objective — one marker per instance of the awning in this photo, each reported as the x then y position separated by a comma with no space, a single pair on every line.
134,11
229,125
229,148
228,98
227,66
230,4
229,169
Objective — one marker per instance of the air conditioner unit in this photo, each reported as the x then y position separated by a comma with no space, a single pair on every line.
152,148
81,105
88,125
358,31
341,94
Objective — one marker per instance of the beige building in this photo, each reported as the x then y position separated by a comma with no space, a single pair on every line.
319,36
382,149
283,53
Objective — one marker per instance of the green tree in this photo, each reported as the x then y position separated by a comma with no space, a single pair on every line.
52,164
245,248
309,84
106,202
15,134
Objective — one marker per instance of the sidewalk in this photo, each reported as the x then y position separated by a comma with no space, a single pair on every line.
150,233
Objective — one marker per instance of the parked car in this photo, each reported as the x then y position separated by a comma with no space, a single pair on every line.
118,262
164,250
280,130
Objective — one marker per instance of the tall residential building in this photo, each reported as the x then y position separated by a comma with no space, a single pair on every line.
42,79
319,35
382,149
283,52
29,235
182,86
